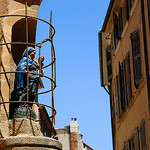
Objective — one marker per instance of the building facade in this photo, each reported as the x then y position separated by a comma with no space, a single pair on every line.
71,138
124,50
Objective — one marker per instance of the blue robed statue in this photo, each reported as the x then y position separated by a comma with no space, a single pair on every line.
20,85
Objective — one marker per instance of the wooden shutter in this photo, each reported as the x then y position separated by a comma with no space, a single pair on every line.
136,139
116,27
121,88
120,22
127,145
148,5
117,97
109,63
114,42
136,53
143,135
125,83
128,8
128,78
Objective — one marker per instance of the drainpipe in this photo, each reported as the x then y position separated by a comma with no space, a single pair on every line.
145,53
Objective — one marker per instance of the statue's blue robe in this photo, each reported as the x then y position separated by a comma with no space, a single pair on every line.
20,78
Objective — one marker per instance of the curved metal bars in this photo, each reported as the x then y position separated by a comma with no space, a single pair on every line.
43,41
34,74
39,45
28,102
20,43
36,18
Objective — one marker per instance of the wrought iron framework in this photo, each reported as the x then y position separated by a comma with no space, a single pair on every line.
52,64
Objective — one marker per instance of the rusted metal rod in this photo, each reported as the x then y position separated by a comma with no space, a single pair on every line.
26,26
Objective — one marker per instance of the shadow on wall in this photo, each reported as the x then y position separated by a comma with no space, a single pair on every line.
30,2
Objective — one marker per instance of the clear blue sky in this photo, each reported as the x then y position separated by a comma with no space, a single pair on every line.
78,93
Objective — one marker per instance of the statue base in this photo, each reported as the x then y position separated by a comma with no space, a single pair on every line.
21,111
29,142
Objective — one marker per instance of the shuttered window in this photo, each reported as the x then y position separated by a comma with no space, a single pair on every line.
121,80
143,135
120,22
109,63
128,79
148,5
128,7
136,139
117,97
123,86
116,35
127,145
116,26
136,53
129,4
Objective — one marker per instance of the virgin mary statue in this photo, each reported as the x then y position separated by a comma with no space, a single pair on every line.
20,86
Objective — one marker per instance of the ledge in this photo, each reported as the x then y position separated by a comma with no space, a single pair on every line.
26,142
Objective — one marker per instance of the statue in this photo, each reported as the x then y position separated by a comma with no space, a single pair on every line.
20,85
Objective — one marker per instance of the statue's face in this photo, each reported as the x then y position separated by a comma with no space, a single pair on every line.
32,54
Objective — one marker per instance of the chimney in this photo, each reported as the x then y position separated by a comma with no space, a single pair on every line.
74,134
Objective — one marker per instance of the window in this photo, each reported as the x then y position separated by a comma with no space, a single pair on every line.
129,4
136,139
127,145
109,64
127,78
123,86
148,5
143,135
119,23
117,97
116,34
122,19
122,92
136,53
116,27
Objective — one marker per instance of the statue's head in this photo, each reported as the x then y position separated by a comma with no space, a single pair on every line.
31,52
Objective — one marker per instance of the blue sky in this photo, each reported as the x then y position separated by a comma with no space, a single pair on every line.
78,93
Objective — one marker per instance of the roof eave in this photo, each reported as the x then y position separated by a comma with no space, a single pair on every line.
108,14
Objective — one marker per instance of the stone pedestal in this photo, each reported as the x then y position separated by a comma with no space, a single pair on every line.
25,134
29,143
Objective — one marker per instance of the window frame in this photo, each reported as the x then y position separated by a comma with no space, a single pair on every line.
143,135
148,9
136,58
